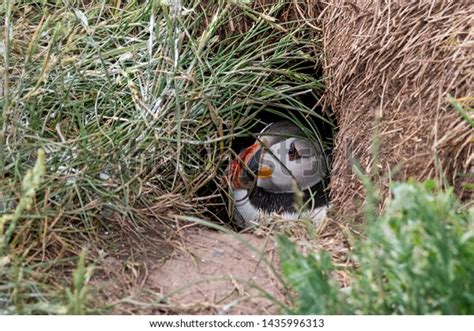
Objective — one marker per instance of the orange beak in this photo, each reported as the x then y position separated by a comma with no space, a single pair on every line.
245,170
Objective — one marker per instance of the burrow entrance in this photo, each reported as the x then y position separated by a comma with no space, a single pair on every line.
316,121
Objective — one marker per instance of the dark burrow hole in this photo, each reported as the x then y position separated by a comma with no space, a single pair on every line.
318,121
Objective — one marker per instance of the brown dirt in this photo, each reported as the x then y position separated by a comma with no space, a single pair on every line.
214,272
205,272
202,271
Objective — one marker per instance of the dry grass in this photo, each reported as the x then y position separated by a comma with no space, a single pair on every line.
389,69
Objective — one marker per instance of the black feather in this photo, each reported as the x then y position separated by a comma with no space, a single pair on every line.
285,202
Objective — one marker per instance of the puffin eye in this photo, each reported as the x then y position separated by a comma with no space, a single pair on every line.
293,153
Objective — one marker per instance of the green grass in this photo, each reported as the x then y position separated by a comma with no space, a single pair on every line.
417,258
131,103
77,297
19,291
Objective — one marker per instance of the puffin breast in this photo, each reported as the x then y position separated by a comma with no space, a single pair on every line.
245,213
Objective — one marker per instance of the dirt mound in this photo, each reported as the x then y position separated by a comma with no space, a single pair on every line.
394,63
220,273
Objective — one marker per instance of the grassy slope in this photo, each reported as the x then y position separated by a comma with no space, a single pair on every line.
135,105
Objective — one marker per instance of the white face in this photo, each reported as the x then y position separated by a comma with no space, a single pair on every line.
293,161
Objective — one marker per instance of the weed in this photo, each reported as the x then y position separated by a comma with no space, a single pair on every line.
416,259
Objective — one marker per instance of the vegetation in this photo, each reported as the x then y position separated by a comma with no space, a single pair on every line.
135,105
416,259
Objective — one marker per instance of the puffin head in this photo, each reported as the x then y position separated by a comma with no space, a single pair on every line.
277,167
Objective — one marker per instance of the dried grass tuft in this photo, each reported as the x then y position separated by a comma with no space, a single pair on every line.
390,66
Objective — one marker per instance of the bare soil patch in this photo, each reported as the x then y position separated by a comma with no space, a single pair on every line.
203,271
215,272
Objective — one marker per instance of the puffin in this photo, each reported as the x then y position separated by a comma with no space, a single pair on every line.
272,174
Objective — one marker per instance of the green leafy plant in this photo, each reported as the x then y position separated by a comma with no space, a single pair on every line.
310,276
417,259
